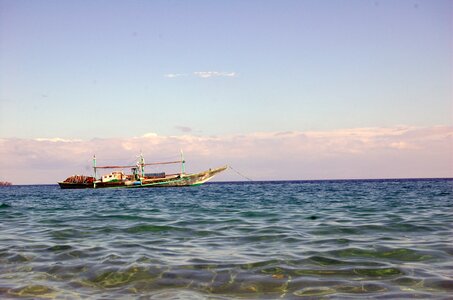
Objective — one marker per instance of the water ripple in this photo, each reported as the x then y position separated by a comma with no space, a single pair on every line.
333,239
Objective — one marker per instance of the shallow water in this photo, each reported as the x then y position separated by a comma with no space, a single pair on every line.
268,240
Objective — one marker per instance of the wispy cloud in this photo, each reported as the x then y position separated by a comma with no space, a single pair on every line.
210,74
184,129
57,139
174,75
402,151
202,74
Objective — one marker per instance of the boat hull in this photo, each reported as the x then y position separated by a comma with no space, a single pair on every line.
70,185
178,180
185,180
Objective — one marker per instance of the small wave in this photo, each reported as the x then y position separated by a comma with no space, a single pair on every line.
325,261
424,285
379,272
316,292
126,217
333,272
4,205
69,233
151,228
57,248
41,291
19,258
259,264
258,214
123,277
397,254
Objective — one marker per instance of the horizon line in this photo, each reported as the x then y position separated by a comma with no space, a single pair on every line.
285,180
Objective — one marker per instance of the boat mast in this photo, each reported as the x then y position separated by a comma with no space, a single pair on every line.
183,167
142,165
94,168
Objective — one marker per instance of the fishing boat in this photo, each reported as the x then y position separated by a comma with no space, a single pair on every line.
138,178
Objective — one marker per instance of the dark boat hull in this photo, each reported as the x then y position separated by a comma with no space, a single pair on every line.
70,185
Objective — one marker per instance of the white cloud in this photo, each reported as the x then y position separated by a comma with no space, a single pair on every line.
57,139
203,74
350,153
174,75
209,74
149,135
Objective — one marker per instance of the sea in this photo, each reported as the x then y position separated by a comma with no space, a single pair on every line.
337,239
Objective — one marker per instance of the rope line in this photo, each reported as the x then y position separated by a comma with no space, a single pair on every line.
237,172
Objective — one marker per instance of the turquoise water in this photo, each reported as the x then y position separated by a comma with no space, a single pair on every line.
264,240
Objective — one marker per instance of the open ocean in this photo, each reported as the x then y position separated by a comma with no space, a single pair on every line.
252,240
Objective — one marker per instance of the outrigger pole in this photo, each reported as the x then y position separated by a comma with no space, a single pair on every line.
148,164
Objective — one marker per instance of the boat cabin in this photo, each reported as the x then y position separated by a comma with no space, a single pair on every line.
114,176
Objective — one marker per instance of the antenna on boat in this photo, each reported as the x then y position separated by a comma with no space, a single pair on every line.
183,167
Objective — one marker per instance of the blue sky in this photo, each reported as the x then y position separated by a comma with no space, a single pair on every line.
223,71
76,68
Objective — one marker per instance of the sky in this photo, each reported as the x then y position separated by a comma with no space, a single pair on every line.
276,89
